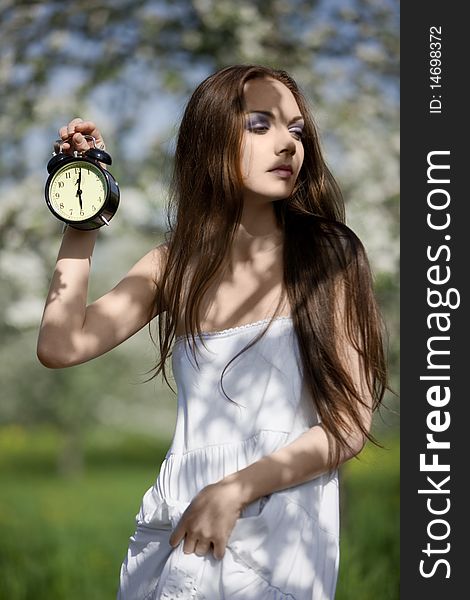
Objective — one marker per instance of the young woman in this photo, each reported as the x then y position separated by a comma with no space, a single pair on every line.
265,304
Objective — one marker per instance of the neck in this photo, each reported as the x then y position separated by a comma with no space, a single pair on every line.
257,234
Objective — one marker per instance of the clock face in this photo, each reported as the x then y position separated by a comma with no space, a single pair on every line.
77,191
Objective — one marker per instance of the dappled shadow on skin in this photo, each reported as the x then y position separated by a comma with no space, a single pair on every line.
252,297
67,339
60,286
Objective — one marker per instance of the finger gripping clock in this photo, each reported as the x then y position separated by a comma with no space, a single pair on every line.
79,191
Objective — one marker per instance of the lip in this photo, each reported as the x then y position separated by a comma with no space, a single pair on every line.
283,167
282,170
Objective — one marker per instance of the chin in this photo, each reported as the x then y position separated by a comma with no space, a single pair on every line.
272,195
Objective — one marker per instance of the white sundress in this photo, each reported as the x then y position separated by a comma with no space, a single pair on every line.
284,546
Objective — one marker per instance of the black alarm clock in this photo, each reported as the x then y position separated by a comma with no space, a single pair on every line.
79,191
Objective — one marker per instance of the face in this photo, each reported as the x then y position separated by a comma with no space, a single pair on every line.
272,150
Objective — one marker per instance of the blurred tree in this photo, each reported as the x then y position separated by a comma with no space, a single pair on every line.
130,65
125,53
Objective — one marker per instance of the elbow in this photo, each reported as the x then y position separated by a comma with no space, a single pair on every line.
356,438
357,445
362,431
52,357
48,360
359,439
352,447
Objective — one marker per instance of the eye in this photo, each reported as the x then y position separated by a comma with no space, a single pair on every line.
257,125
297,132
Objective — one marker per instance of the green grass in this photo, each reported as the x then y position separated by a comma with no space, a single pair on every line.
370,522
65,538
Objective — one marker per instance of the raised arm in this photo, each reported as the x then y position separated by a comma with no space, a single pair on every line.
72,332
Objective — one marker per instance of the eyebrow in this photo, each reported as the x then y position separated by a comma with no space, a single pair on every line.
268,113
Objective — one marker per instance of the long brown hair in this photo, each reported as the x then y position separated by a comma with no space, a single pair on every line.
327,276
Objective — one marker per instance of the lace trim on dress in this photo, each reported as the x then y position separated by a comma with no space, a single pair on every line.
180,586
231,330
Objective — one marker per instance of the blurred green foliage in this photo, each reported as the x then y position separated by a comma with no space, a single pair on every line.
65,537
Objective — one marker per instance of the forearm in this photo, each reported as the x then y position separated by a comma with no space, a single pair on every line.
302,460
65,307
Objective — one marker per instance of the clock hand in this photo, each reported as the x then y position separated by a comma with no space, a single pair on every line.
79,191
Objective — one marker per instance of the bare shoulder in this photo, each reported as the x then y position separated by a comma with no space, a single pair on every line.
153,263
131,303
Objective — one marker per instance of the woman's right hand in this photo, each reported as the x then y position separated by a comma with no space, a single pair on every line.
72,136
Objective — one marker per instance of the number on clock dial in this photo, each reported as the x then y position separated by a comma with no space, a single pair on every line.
78,191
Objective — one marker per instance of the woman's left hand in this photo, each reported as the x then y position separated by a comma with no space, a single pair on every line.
209,519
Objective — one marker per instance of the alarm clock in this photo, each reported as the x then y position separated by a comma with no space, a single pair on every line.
79,191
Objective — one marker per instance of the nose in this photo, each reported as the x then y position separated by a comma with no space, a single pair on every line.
285,143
